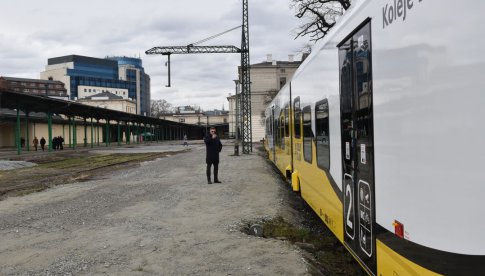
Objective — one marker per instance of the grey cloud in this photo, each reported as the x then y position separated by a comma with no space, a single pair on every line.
130,28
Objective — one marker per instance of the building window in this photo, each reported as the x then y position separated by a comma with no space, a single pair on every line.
283,71
182,120
282,81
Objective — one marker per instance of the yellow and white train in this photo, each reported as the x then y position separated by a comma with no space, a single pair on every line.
381,131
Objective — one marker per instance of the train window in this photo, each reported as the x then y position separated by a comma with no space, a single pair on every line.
269,130
322,134
307,134
282,130
276,130
297,119
287,122
266,123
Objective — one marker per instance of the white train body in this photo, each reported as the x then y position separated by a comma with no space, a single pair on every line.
424,95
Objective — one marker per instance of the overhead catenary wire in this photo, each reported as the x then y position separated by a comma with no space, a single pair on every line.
214,36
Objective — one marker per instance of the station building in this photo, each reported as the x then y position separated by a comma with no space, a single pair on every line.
110,101
267,78
212,118
87,76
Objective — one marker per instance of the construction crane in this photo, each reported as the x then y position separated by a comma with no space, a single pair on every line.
245,99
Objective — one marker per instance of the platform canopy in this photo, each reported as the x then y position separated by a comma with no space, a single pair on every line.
34,103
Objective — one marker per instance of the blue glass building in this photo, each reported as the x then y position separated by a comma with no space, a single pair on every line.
131,69
112,72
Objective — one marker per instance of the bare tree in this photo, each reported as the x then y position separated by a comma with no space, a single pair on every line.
192,107
159,107
319,16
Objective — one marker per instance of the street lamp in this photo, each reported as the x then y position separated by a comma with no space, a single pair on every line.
236,142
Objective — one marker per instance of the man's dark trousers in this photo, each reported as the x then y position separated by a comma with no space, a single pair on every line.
216,171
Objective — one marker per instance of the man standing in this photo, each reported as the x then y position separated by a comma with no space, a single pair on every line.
185,140
35,142
213,147
42,143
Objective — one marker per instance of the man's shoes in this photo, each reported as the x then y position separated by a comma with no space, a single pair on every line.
217,181
209,182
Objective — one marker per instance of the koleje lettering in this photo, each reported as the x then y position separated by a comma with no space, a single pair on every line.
397,9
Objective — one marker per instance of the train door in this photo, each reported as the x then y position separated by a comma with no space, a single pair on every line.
357,144
273,133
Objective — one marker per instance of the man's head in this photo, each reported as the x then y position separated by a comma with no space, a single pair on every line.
213,130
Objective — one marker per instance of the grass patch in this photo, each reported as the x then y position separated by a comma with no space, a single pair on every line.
68,168
94,161
329,256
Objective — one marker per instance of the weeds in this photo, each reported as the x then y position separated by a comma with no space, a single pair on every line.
328,256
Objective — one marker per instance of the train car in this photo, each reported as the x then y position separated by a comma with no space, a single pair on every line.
380,132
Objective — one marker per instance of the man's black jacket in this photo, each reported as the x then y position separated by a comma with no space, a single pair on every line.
213,147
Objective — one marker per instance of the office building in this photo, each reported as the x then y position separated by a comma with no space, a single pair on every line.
88,76
48,88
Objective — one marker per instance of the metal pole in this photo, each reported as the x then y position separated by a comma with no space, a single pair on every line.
49,129
119,134
245,83
138,133
85,133
97,131
17,133
168,63
236,127
74,133
92,134
128,134
27,136
145,136
107,132
70,137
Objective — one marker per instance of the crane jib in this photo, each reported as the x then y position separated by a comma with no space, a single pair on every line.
168,50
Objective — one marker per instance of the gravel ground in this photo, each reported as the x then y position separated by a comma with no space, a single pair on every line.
6,165
161,218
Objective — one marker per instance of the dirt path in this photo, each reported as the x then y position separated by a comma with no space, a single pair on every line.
160,218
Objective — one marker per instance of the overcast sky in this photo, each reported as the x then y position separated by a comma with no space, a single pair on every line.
32,31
